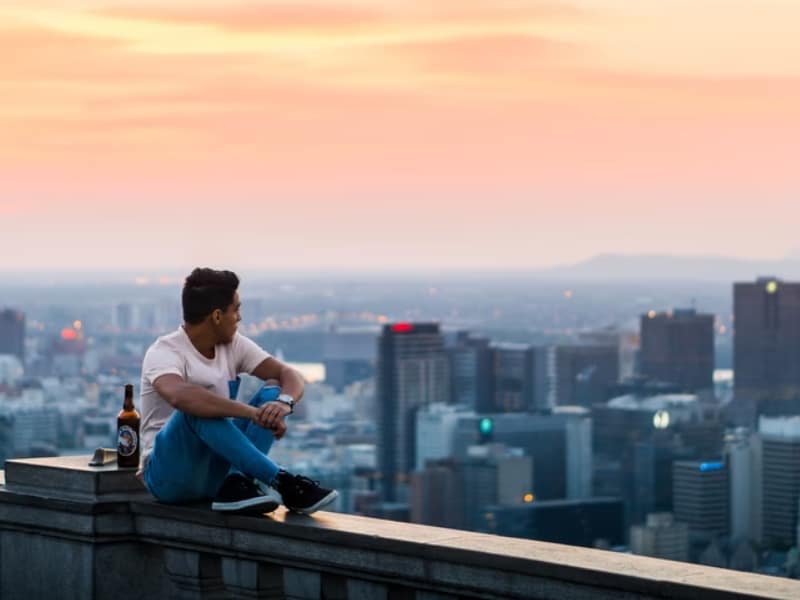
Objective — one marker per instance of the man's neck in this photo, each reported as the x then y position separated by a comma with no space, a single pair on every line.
202,339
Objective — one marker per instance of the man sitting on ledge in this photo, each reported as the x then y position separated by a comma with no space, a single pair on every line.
198,442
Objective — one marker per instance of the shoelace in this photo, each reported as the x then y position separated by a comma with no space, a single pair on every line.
306,480
245,485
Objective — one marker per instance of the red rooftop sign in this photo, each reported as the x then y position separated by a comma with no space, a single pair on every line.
402,328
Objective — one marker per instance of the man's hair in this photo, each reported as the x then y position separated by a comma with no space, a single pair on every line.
206,290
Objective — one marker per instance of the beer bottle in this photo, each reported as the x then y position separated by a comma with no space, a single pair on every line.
128,432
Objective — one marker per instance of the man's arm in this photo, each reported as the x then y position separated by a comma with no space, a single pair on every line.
271,414
198,401
291,381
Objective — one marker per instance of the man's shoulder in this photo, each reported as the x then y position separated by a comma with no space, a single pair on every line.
170,342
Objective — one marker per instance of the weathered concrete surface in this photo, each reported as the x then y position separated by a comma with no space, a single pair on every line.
83,544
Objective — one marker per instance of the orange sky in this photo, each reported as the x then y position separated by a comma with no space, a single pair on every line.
395,134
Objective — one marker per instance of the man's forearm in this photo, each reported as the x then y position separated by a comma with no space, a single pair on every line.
199,402
292,384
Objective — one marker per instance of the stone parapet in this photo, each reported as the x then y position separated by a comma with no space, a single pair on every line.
70,531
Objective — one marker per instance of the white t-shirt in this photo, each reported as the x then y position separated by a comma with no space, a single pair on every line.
175,353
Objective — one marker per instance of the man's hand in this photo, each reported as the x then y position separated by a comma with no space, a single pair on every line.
270,416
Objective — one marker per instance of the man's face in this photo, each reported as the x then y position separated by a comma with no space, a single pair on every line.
229,321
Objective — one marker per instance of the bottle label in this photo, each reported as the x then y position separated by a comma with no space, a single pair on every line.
127,441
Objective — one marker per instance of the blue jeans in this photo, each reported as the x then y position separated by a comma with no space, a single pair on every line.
192,455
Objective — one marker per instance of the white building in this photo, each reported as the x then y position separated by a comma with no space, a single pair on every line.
11,369
661,537
435,432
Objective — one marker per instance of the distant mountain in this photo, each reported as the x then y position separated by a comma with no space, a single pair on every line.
659,267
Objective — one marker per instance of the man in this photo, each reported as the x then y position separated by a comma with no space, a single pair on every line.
198,442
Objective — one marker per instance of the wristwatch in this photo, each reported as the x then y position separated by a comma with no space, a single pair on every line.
286,399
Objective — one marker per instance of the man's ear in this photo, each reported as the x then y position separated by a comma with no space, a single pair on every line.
216,316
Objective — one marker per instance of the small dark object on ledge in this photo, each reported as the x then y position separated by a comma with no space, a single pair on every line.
103,456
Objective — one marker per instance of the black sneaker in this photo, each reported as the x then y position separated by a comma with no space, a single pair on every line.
238,493
301,494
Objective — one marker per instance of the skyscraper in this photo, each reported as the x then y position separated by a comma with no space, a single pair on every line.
584,374
743,458
781,479
560,445
678,347
471,372
519,378
12,333
412,372
700,495
766,349
642,437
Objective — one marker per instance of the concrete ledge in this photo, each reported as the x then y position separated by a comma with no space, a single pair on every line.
191,552
70,476
444,557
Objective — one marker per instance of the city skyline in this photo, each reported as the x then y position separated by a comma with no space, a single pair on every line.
371,135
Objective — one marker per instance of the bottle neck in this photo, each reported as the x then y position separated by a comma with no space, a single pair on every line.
128,404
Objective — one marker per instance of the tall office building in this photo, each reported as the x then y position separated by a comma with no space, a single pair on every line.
766,349
700,495
636,440
412,372
743,459
781,479
626,340
471,372
678,347
12,333
585,374
560,445
519,378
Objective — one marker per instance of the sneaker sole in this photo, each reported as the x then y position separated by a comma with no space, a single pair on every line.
321,504
257,505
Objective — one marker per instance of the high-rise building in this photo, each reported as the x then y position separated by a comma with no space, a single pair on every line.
12,333
661,537
584,374
678,347
626,340
766,349
560,445
519,378
412,372
743,459
700,493
636,440
471,372
781,479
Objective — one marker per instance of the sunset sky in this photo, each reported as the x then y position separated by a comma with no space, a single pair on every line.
395,134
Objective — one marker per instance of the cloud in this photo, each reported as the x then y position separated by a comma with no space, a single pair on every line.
325,17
